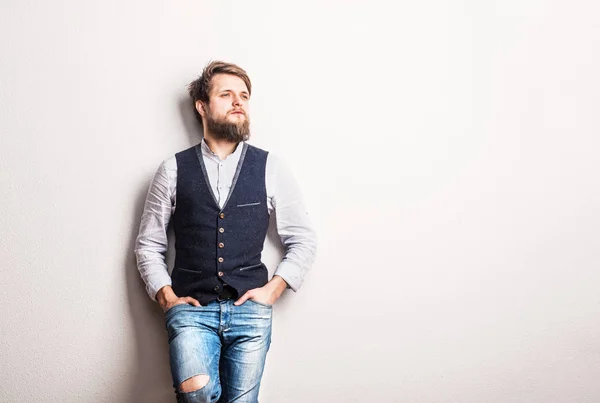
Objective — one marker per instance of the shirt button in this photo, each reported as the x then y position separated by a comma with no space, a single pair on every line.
222,215
217,288
220,260
221,245
220,274
221,230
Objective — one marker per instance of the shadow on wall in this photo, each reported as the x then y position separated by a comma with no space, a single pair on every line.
151,378
191,124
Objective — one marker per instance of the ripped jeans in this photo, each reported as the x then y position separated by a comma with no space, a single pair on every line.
226,342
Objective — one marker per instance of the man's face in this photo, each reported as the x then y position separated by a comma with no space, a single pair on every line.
226,115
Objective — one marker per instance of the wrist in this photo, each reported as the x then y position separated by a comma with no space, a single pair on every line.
165,294
278,284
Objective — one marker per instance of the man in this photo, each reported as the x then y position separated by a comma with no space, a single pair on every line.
219,196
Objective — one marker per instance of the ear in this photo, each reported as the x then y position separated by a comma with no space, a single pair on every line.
200,108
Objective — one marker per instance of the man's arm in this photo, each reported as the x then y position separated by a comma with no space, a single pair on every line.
151,244
295,231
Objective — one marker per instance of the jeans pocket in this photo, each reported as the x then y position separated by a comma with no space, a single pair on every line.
177,317
260,303
175,308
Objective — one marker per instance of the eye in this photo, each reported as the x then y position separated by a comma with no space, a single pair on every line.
225,94
245,97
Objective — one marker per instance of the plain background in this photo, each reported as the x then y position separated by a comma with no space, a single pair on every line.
448,154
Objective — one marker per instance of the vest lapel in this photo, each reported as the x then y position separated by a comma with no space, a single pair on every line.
207,179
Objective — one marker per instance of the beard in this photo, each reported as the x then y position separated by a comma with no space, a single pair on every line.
222,129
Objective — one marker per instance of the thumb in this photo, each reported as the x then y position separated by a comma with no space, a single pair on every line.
243,298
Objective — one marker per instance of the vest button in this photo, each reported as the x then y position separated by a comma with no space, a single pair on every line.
217,288
220,260
221,245
221,230
220,274
222,215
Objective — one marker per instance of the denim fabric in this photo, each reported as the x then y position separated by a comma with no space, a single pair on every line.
226,342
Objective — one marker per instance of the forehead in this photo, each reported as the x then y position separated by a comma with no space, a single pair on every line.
225,82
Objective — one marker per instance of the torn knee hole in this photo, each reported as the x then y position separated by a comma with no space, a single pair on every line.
194,383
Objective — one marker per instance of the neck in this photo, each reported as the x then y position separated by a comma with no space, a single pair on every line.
222,148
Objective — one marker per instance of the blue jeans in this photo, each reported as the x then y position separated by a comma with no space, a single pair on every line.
226,342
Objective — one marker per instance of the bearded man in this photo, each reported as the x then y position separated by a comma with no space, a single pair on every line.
218,196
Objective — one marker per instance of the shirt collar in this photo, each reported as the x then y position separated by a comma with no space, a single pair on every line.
207,151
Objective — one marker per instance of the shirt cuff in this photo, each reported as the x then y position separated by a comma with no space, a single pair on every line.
157,284
291,273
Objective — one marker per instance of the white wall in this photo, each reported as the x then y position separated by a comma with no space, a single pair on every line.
448,155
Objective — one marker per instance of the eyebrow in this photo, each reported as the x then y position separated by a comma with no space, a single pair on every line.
228,90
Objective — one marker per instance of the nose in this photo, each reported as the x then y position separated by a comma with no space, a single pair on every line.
237,100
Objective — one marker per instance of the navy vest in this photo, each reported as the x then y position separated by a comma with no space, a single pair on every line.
217,246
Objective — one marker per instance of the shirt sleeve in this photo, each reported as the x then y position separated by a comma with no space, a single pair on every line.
293,224
151,244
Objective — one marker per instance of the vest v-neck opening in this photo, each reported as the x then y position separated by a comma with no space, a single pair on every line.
207,179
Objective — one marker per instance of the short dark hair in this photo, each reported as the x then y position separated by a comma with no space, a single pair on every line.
199,89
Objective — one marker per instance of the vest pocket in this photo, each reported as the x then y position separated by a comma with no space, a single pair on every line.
188,270
248,204
254,266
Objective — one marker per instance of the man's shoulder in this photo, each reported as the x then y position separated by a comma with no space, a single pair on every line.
256,149
169,165
257,152
188,157
189,150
